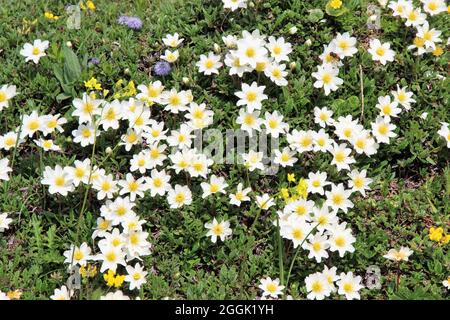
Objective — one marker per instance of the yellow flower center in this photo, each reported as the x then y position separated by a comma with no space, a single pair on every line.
316,287
251,96
214,188
137,276
276,50
35,51
217,229
272,287
316,183
157,182
154,153
250,52
60,181
273,123
348,287
358,182
383,129
111,256
327,78
338,199
387,109
249,119
121,210
2,96
86,133
419,42
179,198
209,64
380,51
340,241
339,156
133,186
78,255
33,125
297,234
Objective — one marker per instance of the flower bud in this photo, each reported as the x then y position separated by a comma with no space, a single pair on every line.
293,30
108,150
308,42
69,44
216,48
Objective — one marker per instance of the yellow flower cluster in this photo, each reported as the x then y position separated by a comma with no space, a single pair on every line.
122,91
89,5
112,279
93,84
293,193
437,235
88,272
50,16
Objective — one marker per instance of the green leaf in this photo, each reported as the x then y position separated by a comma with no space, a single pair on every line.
72,67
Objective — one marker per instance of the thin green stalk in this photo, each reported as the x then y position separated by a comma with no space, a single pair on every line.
296,254
280,252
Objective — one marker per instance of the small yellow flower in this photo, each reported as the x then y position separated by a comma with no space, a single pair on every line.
436,234
445,239
438,52
335,4
90,5
284,193
50,16
89,272
302,188
92,84
291,177
14,295
109,278
119,280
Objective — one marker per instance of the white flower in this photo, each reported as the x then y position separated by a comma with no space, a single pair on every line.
136,276
86,108
341,239
274,124
403,97
346,127
279,49
3,296
285,158
6,93
387,107
234,63
327,77
341,156
234,4
149,93
117,295
240,195
300,208
398,255
430,36
344,45
322,141
317,246
170,56
265,201
106,187
277,74
444,132
296,230
383,130
316,181
199,165
434,7
199,116
158,183
381,51
31,123
179,196
181,138
330,275
174,101
323,218
34,51
172,40
85,134
215,185
218,230
400,7
349,285
133,187
323,116
300,140
338,198
414,17
209,64
9,140
249,121
359,182
4,169
250,49
61,294
58,180
317,286
446,283
111,114
253,160
4,222
78,255
47,145
251,96
50,123
271,287
230,40
363,142
111,256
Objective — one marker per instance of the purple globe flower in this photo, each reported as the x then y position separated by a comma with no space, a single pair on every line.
162,68
94,61
134,23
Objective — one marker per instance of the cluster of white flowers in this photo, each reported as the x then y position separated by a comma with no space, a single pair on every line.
234,4
172,41
426,38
